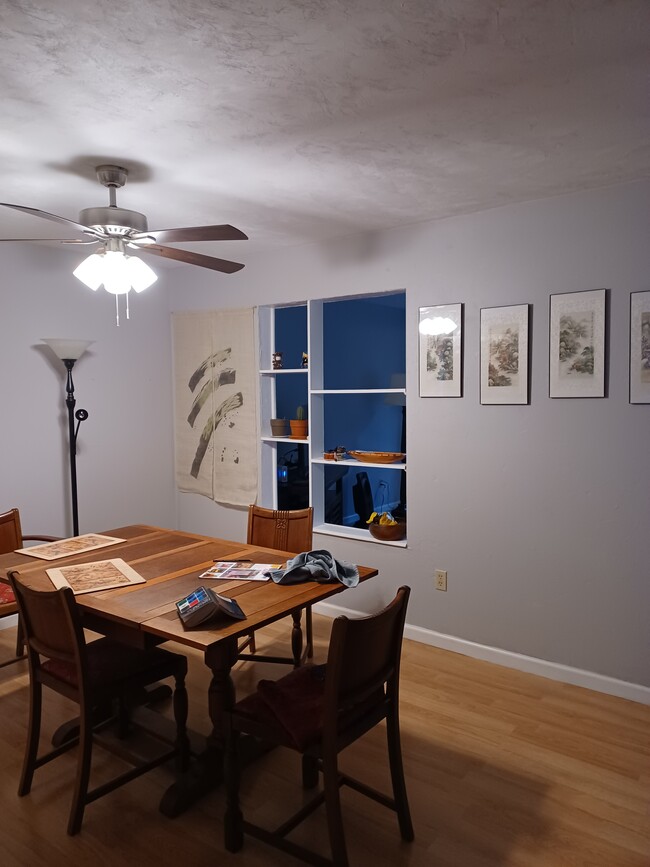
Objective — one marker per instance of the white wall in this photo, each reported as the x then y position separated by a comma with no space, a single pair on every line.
539,513
125,447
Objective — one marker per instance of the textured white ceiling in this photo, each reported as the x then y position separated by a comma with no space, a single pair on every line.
298,120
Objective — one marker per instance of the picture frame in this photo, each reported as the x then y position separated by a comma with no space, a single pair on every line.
577,327
440,330
640,347
505,355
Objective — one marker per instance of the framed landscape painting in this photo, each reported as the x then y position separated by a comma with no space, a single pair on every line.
504,354
577,344
441,350
640,347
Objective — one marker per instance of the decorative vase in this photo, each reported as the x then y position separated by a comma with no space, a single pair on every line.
279,427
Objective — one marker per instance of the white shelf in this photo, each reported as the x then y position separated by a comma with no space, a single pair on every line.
284,370
311,380
356,533
284,440
349,462
358,391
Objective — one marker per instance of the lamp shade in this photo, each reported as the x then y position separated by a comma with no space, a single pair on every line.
91,271
118,272
141,276
65,348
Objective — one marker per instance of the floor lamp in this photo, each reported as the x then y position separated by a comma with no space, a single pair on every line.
70,351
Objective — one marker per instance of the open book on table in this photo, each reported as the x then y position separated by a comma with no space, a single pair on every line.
203,604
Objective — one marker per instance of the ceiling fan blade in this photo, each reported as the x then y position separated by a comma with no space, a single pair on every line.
44,214
52,240
193,258
196,233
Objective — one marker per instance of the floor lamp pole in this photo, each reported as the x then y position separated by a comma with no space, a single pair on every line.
69,352
80,415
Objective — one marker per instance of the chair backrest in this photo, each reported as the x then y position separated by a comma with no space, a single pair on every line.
51,624
276,528
363,661
11,536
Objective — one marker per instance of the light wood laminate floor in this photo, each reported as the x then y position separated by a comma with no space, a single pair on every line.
504,769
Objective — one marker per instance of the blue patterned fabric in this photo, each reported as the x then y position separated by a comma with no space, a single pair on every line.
316,566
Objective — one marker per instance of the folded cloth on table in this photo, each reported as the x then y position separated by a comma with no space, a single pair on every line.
316,566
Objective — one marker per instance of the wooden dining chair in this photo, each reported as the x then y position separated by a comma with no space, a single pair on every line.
94,675
285,531
319,711
11,538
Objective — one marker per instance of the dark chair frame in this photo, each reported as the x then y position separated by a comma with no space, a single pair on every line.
11,538
95,675
285,530
360,688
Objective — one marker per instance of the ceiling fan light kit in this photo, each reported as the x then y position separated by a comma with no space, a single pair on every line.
116,228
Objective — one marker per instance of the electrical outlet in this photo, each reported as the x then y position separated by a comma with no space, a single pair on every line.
441,579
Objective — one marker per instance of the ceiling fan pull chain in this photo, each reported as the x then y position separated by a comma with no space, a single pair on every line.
117,310
127,305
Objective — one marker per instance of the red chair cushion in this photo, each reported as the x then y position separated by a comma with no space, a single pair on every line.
291,707
6,594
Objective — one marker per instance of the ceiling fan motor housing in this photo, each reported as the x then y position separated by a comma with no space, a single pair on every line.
114,221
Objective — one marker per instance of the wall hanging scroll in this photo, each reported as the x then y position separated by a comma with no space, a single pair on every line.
215,405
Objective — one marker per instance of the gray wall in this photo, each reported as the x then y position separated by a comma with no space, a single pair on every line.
125,447
539,513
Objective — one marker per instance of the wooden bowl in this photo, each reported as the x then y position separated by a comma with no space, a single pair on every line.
388,532
377,457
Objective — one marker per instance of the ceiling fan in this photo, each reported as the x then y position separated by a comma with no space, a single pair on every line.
116,229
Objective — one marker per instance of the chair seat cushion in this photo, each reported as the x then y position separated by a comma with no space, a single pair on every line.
289,711
111,663
291,707
6,594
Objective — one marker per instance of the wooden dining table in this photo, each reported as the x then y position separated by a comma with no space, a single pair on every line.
145,614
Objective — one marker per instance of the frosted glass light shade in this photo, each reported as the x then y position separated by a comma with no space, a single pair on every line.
118,273
140,274
67,349
91,271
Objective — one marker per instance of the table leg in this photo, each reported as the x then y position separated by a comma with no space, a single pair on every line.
296,638
207,772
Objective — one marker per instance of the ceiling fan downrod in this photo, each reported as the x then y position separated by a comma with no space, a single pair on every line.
113,220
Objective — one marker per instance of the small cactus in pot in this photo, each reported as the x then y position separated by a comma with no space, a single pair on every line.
299,424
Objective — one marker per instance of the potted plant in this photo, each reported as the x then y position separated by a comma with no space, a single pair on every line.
299,424
279,427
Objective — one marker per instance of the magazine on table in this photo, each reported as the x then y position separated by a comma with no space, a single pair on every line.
240,570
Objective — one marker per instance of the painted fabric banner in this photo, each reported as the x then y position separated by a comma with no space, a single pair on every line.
215,405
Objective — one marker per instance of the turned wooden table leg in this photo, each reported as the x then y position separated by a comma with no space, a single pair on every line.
207,772
296,639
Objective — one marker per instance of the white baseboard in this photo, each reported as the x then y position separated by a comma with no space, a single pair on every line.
532,665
